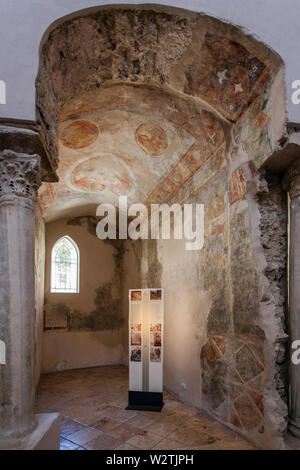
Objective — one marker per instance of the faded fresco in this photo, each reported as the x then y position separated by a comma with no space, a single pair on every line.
105,316
228,75
116,161
79,134
152,139
180,110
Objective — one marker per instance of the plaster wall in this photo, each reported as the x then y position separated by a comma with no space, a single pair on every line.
94,333
186,310
75,350
131,279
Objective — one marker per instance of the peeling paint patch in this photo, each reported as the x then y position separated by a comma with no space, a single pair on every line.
106,315
90,220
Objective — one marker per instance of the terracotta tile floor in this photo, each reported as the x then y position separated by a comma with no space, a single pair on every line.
92,403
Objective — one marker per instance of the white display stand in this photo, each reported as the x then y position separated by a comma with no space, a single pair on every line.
146,312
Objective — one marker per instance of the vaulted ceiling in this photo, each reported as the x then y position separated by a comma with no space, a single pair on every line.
126,140
133,102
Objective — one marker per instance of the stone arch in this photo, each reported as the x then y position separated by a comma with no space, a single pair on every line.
175,50
221,94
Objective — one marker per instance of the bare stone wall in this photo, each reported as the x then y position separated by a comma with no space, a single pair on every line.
273,227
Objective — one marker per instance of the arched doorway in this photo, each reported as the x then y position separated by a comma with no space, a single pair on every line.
168,106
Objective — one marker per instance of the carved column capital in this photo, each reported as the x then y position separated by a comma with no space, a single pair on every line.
291,180
20,174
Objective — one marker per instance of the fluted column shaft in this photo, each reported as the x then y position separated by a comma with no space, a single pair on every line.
19,181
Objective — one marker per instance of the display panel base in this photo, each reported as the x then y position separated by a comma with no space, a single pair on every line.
145,401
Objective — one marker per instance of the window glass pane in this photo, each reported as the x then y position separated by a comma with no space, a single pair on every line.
65,266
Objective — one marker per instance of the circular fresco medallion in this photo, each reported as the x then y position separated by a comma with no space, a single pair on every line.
79,134
99,174
152,139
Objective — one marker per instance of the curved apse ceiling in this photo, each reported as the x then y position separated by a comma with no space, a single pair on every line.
127,140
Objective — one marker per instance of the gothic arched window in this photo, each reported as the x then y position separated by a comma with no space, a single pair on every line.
65,266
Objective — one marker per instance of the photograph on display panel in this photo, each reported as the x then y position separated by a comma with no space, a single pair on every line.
155,295
155,334
155,327
135,354
155,354
136,334
155,338
136,296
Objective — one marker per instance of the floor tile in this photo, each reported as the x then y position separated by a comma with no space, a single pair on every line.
117,412
126,446
70,427
103,442
92,403
175,418
161,428
185,436
74,412
124,431
67,445
143,420
167,444
89,417
144,440
105,424
83,436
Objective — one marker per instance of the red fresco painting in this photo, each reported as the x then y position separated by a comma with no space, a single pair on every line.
238,185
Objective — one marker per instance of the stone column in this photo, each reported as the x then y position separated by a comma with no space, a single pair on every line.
291,183
19,181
